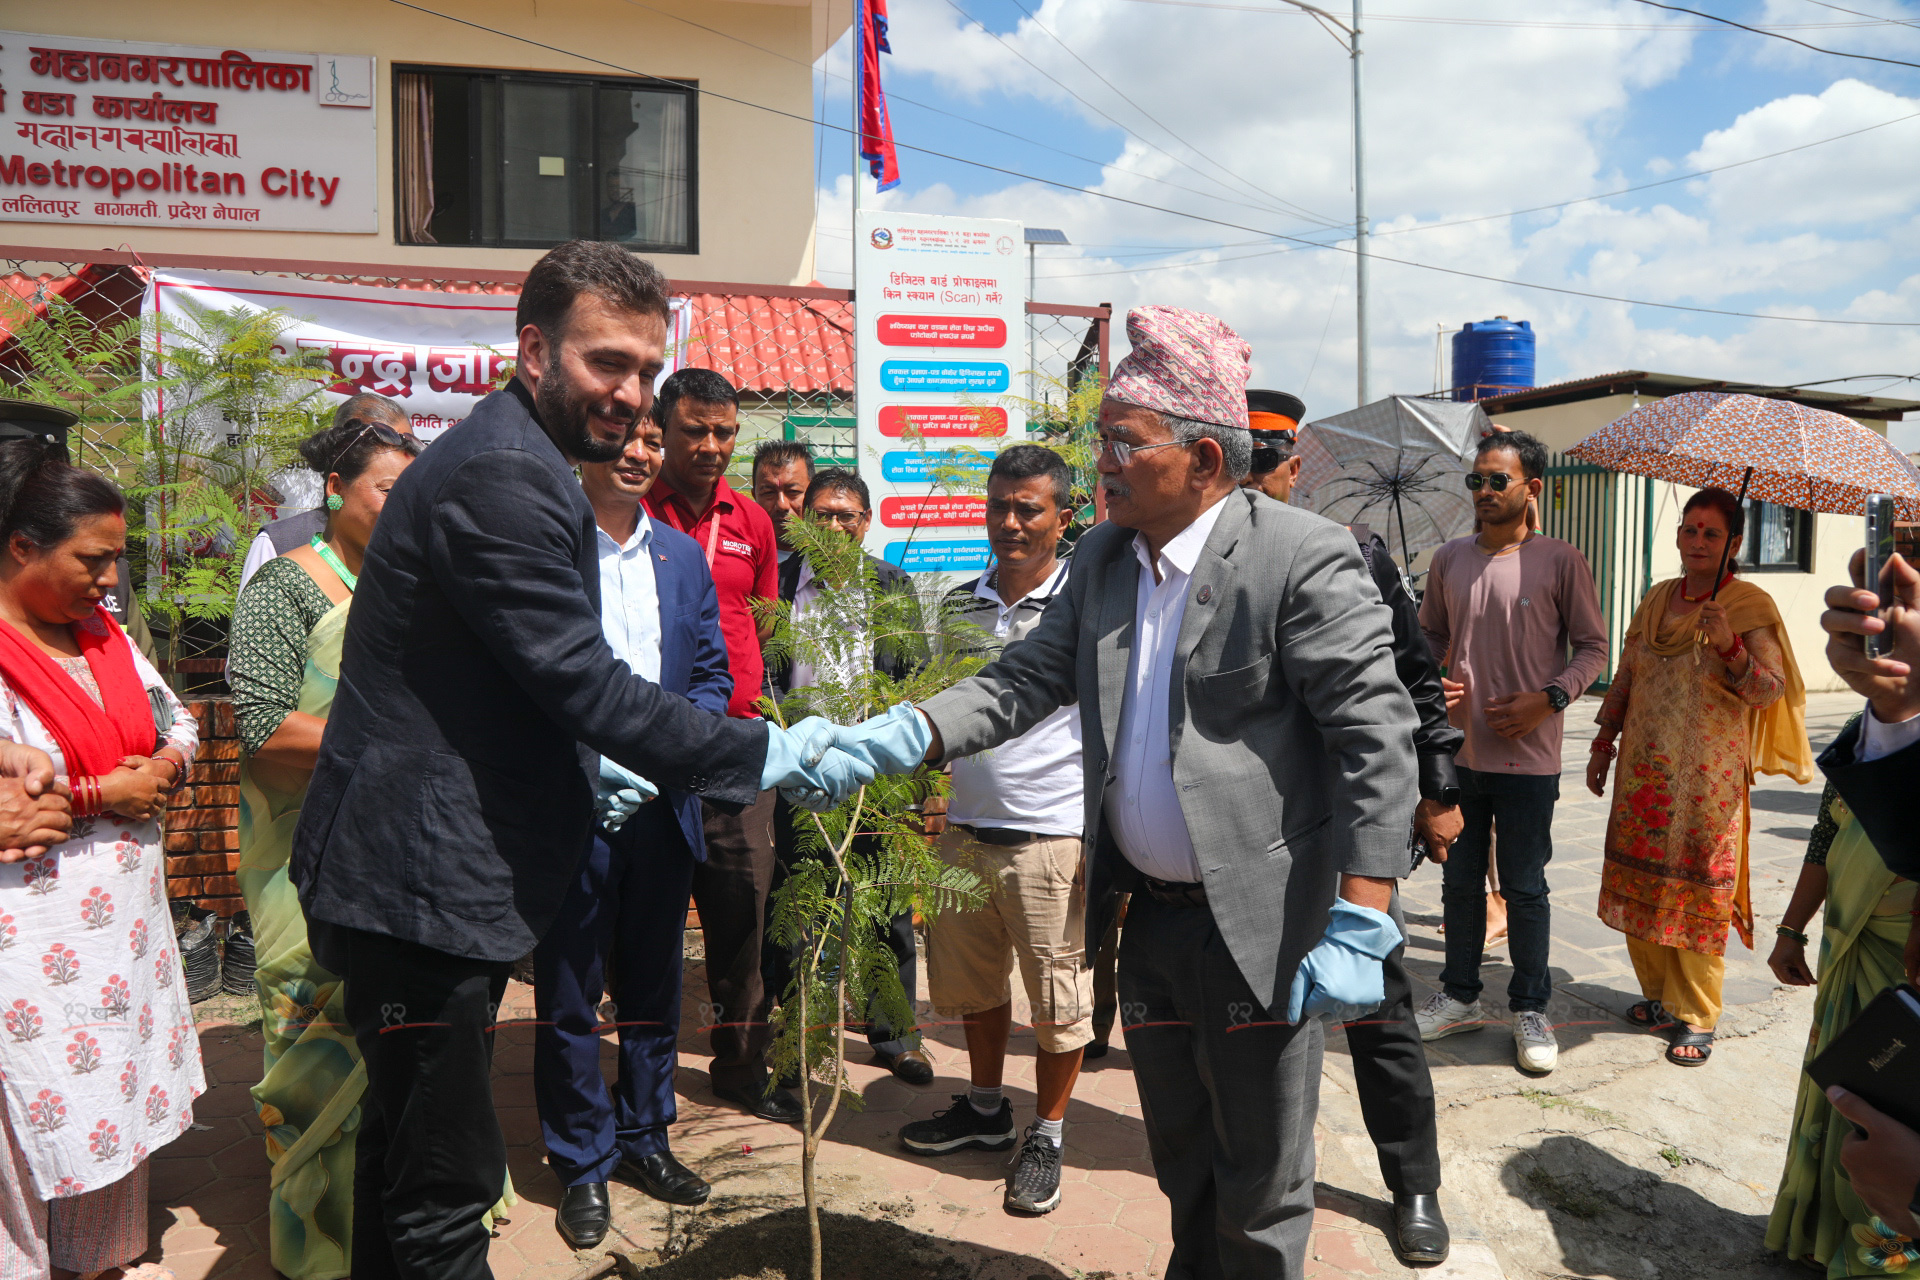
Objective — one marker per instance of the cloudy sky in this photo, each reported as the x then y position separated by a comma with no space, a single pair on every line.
1239,111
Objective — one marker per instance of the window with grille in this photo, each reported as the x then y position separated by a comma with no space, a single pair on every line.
1777,538
520,160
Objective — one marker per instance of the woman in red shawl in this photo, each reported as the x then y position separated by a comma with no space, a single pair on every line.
99,1062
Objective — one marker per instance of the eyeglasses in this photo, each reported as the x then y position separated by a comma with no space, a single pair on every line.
1122,453
845,519
1498,481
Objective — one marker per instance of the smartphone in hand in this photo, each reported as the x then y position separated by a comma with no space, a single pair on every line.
1881,511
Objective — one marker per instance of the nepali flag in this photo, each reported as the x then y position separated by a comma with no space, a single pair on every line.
876,126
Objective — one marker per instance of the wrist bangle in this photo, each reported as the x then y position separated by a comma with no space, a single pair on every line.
1606,749
1728,655
178,771
1795,934
85,795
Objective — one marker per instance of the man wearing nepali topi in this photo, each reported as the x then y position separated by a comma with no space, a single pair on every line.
1250,777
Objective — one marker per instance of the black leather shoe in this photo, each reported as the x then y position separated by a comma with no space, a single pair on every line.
779,1106
1419,1230
583,1215
664,1178
1097,1049
911,1067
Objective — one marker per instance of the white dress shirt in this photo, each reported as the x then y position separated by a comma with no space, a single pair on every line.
1034,782
855,657
1879,739
1142,804
630,598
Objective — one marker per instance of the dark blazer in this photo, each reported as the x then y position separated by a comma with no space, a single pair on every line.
693,653
1291,733
1881,795
1435,741
455,784
890,577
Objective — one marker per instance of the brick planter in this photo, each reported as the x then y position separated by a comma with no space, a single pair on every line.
202,837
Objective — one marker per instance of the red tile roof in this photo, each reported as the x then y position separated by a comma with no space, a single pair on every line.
771,345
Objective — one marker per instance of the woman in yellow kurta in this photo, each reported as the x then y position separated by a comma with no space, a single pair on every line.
1706,695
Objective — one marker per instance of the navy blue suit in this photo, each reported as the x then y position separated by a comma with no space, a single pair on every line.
625,909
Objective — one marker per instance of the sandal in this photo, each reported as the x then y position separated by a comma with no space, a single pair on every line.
1701,1040
1651,1015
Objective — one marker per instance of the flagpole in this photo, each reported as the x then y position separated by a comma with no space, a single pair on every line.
859,70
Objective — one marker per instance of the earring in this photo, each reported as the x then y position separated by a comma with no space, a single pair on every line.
333,502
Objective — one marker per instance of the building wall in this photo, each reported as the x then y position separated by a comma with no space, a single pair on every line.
1797,594
756,199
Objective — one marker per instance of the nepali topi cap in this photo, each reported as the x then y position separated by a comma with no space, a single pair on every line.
1185,363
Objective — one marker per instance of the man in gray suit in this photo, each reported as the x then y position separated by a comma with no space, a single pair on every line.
1250,777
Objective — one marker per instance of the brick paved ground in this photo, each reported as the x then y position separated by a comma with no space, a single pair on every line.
208,1187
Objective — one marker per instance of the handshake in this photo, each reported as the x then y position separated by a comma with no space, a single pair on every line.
818,764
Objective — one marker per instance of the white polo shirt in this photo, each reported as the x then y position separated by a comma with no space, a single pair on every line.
1034,782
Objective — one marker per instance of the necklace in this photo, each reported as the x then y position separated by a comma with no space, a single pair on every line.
332,561
1705,594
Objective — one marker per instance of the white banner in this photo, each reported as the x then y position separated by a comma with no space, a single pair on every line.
435,353
165,135
941,308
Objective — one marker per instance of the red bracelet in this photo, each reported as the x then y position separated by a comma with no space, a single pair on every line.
86,795
1606,749
1731,654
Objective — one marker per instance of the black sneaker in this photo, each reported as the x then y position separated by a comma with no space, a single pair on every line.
960,1127
1036,1179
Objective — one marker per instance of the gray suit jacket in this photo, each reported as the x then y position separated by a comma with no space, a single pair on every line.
1293,739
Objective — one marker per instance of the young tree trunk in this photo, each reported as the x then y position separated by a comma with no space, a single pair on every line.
812,1134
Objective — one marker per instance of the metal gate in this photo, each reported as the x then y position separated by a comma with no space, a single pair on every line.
1609,516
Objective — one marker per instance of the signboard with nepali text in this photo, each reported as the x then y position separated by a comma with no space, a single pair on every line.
436,354
940,305
160,135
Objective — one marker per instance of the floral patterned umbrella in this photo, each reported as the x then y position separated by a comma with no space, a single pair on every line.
1771,450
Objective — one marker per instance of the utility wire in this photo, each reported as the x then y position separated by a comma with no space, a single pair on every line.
953,115
1154,208
1903,22
1186,164
1300,209
1777,35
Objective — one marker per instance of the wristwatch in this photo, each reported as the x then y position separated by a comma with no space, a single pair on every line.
1556,697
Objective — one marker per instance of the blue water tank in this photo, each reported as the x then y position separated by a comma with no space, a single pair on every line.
1491,358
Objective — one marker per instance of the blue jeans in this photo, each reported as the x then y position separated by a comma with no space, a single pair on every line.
1521,805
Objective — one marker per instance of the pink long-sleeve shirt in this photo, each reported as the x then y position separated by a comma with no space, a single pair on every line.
1505,624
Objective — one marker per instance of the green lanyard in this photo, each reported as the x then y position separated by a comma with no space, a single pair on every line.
325,552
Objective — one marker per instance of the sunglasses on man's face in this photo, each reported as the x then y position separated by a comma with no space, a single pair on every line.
1499,480
1265,459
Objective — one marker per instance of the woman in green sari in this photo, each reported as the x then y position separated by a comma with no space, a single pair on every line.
1817,1218
284,664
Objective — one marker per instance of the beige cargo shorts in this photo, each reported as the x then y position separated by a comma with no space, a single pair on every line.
1034,913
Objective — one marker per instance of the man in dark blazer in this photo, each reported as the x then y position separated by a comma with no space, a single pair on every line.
1250,777
455,786
839,496
1876,765
622,922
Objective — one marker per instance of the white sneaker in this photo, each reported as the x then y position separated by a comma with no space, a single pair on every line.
1441,1015
1533,1044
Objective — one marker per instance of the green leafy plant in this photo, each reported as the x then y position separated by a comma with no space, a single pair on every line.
192,435
866,861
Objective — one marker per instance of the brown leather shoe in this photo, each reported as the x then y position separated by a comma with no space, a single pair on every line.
911,1067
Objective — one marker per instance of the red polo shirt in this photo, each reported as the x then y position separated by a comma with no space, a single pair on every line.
737,537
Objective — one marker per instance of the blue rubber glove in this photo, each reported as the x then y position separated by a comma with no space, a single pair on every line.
803,762
895,742
1340,979
621,793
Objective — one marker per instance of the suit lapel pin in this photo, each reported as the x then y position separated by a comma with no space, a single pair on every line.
662,558
1206,593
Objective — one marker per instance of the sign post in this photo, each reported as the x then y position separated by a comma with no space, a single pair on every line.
939,323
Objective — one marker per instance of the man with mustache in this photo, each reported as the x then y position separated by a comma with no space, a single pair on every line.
1504,604
1248,774
699,416
454,792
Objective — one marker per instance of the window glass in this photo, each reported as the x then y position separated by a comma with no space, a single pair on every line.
1777,537
530,161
